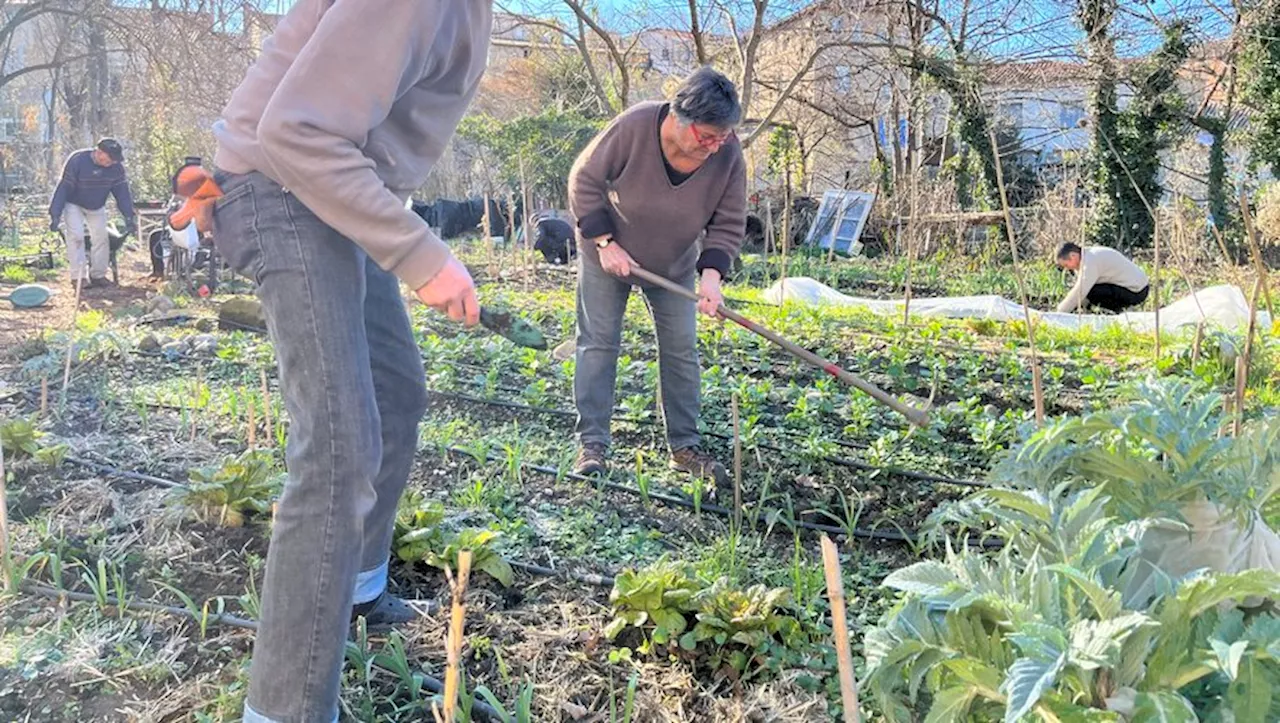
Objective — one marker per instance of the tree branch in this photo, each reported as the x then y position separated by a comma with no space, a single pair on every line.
799,76
619,58
695,29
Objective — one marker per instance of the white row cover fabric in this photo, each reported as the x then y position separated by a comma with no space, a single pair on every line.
1223,306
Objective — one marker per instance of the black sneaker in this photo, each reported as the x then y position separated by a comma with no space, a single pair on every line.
387,611
593,458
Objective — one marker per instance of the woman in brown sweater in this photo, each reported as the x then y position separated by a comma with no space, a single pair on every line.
662,177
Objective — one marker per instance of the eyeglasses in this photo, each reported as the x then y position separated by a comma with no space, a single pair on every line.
708,140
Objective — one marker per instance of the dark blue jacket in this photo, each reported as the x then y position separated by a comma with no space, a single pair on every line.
87,185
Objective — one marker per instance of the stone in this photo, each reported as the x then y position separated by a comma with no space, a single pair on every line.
206,344
241,313
565,350
150,343
160,304
206,324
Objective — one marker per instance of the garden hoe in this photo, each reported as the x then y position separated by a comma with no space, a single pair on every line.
28,296
513,328
918,417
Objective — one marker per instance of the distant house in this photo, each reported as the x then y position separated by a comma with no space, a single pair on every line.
1047,102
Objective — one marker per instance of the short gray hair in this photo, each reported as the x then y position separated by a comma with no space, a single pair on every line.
707,96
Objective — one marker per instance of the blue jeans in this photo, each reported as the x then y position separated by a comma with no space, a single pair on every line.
602,302
352,381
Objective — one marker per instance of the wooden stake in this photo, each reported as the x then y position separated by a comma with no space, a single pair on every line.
1037,388
453,640
840,630
44,395
71,344
266,408
1195,343
737,465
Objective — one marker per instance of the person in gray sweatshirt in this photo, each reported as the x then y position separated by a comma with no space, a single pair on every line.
662,187
89,177
340,119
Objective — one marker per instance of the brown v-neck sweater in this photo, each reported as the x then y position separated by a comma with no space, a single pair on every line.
619,185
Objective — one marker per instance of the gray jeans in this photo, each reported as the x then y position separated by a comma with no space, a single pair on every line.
602,302
353,384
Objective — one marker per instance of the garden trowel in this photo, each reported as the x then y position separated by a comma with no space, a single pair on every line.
28,296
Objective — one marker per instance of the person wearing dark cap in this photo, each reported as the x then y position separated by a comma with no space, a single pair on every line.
80,201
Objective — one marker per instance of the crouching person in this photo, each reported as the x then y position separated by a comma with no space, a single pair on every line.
1104,278
659,177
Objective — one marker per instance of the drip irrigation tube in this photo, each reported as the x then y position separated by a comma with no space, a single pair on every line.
588,578
433,685
841,461
689,504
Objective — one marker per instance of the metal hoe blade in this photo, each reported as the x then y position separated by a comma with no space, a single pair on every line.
513,328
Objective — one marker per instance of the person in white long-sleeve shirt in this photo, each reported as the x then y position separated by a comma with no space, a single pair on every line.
1104,277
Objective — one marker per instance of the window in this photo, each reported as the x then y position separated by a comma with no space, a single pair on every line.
849,209
1069,116
844,79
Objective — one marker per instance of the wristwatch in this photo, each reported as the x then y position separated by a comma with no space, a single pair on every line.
601,243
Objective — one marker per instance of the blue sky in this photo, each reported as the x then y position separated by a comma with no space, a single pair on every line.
1024,29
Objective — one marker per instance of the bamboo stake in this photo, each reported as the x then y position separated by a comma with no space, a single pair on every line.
266,408
71,344
253,422
737,465
528,232
511,227
1242,362
840,630
487,225
44,395
1155,284
1255,250
786,229
453,641
1037,387
198,385
4,525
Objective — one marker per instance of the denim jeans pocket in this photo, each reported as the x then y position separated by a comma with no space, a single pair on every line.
235,231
